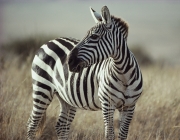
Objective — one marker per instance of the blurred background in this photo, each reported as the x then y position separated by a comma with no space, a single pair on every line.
154,26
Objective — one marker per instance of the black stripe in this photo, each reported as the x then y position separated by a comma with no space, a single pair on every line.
123,52
101,52
66,71
128,65
139,85
68,45
137,69
108,43
39,101
38,107
132,74
110,94
134,70
56,49
41,72
98,54
134,79
78,88
39,84
85,56
61,93
59,79
42,94
92,88
105,99
103,46
36,117
112,86
89,53
71,88
99,66
75,41
85,86
37,113
46,58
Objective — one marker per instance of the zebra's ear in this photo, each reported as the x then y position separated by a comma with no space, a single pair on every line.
106,15
96,16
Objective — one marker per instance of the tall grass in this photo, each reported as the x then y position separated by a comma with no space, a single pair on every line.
156,117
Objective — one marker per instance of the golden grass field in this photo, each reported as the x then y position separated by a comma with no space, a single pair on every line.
157,113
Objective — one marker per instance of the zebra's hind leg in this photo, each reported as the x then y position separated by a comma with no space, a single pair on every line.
108,116
41,99
65,119
126,115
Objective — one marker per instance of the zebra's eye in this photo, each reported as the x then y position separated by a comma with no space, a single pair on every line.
94,36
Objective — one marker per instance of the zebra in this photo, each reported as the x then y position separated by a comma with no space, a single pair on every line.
97,73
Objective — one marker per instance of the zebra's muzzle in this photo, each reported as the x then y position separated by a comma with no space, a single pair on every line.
75,64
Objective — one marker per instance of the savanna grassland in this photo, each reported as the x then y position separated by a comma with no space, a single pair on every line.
157,113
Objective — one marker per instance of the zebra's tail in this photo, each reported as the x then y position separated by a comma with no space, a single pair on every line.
41,125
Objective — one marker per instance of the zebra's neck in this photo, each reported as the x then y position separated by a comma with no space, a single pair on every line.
123,63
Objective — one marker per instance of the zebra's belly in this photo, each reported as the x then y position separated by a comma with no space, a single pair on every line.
85,101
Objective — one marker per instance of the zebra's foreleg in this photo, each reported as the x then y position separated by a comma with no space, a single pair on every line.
65,119
108,116
126,115
41,100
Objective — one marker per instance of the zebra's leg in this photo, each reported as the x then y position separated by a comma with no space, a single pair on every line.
108,116
126,115
65,119
41,99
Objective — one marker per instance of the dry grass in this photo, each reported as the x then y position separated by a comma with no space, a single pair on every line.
156,116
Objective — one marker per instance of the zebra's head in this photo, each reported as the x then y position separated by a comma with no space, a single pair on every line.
97,45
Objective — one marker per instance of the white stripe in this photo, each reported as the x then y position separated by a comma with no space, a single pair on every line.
50,52
82,91
75,90
36,77
39,104
43,65
61,46
37,110
69,90
46,92
89,91
59,67
48,69
41,99
72,43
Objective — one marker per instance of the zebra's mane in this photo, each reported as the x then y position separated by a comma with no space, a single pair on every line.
122,25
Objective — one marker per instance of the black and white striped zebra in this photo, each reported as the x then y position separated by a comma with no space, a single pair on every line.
97,73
